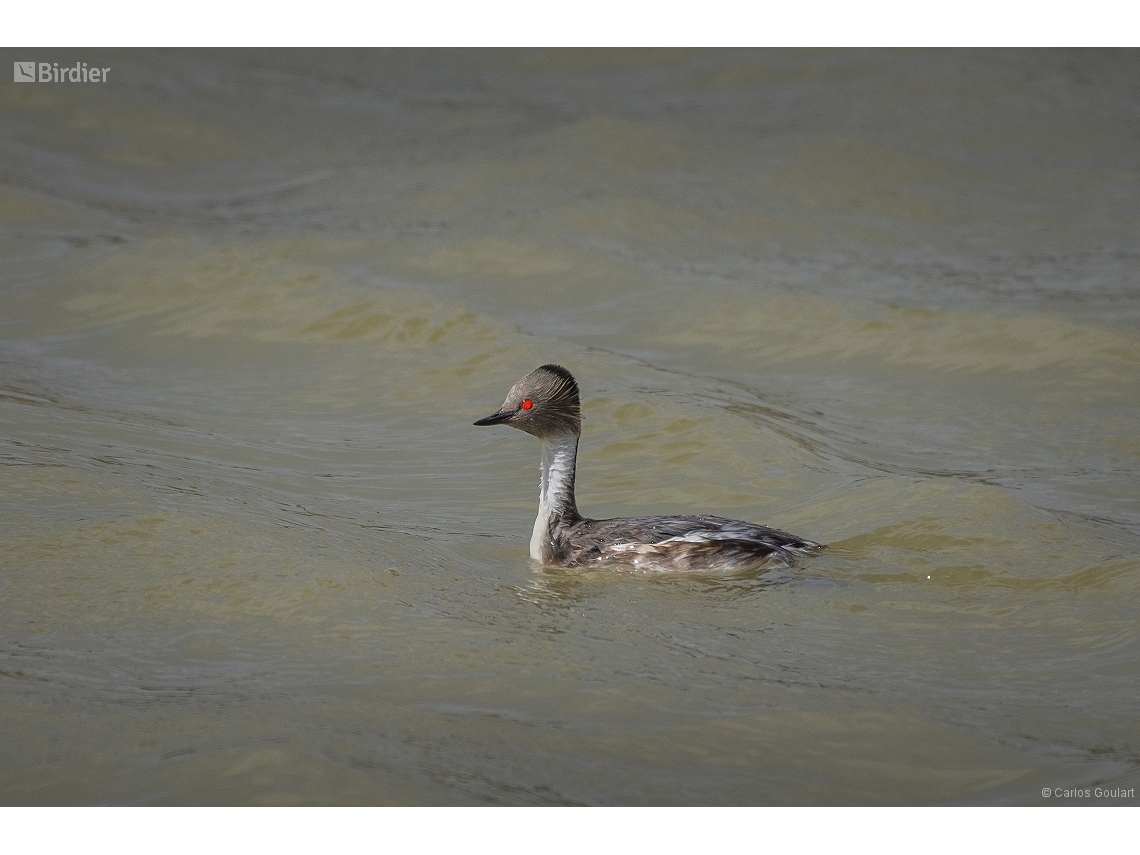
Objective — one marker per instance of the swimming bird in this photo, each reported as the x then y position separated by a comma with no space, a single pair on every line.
545,404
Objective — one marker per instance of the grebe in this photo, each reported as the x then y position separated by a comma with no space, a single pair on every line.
545,404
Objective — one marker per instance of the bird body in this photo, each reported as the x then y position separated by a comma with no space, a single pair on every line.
545,403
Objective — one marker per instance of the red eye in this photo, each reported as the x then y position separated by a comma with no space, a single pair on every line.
527,403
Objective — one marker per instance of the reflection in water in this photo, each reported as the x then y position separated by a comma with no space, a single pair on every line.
251,550
564,587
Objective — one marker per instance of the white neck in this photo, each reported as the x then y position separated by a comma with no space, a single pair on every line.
555,491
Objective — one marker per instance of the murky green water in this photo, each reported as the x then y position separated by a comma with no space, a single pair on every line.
253,551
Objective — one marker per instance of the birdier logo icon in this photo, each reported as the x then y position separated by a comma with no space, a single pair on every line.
24,72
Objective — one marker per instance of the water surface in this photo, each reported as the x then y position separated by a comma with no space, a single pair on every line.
253,551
